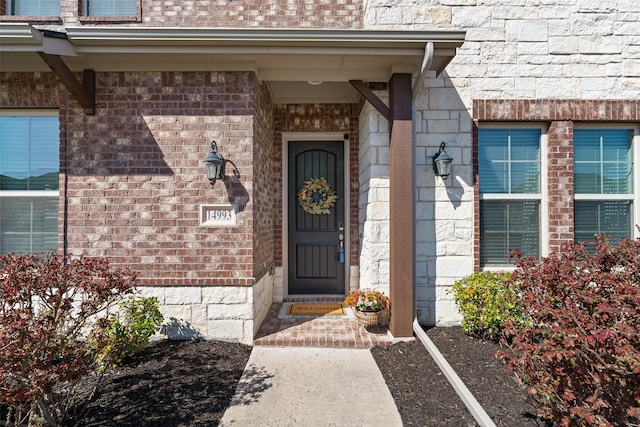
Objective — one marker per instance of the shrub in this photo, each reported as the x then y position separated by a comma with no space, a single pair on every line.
52,315
486,302
580,356
129,330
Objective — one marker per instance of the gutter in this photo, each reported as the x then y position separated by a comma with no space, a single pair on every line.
481,417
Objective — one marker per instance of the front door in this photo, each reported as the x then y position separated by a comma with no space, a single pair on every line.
316,217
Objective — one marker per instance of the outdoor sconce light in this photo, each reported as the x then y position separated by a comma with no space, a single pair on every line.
214,165
442,162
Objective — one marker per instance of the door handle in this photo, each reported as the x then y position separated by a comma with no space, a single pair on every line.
341,248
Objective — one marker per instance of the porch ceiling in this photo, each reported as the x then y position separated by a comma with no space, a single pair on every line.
286,59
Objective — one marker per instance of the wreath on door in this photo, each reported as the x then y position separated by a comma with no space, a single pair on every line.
316,197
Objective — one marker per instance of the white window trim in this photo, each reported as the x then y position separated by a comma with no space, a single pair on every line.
542,196
633,197
28,193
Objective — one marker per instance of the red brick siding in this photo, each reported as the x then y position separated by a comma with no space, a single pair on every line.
31,90
136,177
561,116
320,118
560,183
225,14
265,212
556,109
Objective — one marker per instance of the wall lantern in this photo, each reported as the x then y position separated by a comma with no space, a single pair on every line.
442,162
214,165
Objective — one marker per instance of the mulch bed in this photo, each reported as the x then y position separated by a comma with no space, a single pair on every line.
424,396
191,384
171,383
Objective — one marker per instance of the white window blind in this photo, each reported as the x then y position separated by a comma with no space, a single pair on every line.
509,178
603,183
109,7
29,170
33,7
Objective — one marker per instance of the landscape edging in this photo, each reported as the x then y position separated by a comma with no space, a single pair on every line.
461,389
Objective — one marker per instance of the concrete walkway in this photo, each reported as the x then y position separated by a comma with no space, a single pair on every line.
301,386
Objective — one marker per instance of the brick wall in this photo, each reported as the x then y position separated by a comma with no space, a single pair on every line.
265,211
30,90
226,14
319,118
561,116
135,176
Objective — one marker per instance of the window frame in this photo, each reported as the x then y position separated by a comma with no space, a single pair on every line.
27,194
6,6
633,197
541,196
83,17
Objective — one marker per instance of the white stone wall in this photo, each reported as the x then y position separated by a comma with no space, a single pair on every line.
231,313
523,49
444,208
572,49
374,200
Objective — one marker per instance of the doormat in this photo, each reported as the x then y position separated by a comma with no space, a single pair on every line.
327,310
316,310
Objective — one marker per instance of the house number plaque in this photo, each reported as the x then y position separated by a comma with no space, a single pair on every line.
218,215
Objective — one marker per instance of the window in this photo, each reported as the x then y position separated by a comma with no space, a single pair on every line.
29,170
603,183
510,196
109,7
32,7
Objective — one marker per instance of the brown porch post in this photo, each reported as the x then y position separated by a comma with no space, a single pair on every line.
401,207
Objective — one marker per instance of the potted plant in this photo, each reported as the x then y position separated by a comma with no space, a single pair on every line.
368,305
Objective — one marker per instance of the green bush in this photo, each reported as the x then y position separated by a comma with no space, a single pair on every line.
486,303
129,330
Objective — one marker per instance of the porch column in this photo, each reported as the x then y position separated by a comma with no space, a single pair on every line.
401,225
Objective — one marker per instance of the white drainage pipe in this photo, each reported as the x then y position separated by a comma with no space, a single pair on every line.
470,402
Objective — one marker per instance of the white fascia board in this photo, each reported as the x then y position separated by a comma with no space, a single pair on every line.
16,36
23,37
265,37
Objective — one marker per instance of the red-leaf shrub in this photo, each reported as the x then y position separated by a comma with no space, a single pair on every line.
580,358
53,315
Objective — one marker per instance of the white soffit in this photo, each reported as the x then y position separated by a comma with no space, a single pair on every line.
275,55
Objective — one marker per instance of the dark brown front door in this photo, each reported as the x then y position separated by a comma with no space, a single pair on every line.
316,255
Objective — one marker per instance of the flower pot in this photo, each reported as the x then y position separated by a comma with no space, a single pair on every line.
367,318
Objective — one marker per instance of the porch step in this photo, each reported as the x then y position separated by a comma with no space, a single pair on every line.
318,332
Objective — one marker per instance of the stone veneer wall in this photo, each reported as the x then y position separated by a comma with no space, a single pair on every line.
374,198
516,52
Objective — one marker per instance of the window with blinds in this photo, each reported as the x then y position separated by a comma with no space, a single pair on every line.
109,7
510,196
603,183
29,170
32,7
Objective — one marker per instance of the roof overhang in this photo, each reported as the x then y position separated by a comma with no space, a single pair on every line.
291,57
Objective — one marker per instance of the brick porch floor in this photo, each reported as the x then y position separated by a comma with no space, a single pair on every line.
318,332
